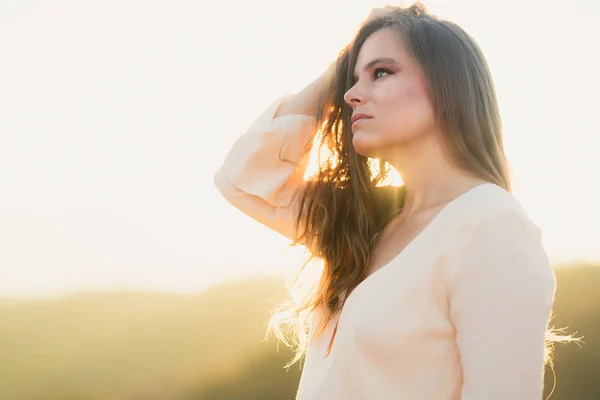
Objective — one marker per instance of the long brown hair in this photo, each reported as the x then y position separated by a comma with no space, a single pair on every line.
344,205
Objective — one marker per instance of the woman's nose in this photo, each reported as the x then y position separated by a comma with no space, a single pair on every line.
352,97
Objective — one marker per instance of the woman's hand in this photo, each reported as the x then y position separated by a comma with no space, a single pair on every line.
306,101
380,12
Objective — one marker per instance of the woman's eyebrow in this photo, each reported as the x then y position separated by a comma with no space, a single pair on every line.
383,60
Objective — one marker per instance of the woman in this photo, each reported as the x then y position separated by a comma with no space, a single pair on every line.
438,289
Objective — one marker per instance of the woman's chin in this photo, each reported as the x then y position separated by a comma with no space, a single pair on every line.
364,146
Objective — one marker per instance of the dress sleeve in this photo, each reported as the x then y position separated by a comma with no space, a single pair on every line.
264,170
501,296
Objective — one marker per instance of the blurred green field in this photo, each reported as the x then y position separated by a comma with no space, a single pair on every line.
151,346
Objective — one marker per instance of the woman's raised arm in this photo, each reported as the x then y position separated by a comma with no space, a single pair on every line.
263,173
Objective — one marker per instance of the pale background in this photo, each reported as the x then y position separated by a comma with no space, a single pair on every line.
114,116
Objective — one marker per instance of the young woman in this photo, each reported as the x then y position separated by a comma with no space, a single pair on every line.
436,290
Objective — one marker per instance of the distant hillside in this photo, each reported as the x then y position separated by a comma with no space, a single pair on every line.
577,307
130,345
151,346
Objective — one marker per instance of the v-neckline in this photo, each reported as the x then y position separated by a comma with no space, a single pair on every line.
435,220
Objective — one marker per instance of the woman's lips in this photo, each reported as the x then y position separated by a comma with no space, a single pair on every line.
359,117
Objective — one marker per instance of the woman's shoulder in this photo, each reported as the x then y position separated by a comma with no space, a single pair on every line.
494,204
492,227
489,198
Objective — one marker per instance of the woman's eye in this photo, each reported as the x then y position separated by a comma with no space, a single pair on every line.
380,73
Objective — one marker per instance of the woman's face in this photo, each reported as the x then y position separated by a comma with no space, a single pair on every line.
391,91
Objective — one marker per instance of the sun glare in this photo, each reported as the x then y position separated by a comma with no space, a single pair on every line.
320,154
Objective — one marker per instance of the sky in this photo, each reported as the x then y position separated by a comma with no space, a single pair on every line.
115,115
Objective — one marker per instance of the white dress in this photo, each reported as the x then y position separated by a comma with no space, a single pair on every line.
460,313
